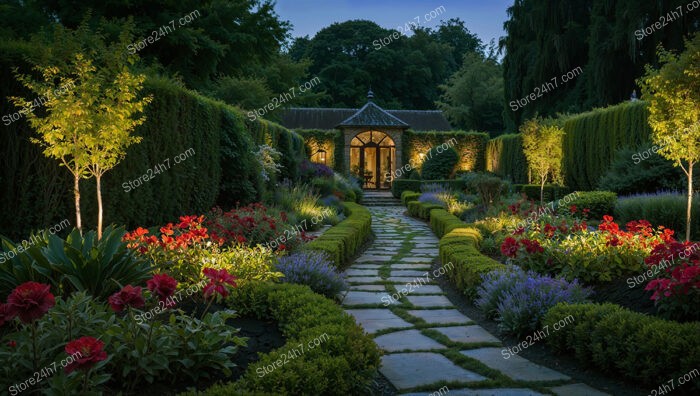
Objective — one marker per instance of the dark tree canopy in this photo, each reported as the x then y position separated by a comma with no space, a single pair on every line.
548,38
403,71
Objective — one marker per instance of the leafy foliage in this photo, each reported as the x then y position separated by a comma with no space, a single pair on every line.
78,263
439,164
631,174
673,93
472,98
542,145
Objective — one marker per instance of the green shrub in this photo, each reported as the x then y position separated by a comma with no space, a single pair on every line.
630,174
642,348
666,209
600,203
78,263
343,240
409,196
344,362
314,269
422,210
471,147
489,188
439,164
461,247
442,222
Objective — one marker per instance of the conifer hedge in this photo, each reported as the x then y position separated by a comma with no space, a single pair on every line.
505,158
592,139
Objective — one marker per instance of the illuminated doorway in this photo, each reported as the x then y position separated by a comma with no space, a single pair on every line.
373,159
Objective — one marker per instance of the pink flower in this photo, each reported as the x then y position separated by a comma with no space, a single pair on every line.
219,282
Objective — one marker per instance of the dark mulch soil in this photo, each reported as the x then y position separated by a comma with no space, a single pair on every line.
539,353
263,337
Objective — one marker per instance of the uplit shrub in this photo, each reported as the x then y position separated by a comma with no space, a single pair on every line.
630,173
439,165
314,269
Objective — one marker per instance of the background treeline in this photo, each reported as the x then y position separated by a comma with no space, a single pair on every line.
223,169
548,38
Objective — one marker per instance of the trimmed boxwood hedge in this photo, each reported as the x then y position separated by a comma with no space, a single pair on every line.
343,240
422,210
643,348
442,222
461,247
409,196
343,364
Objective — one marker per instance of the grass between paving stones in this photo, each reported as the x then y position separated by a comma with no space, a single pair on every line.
420,323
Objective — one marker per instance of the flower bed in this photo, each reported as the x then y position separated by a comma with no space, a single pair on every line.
343,363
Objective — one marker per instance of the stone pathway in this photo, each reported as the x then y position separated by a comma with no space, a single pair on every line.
427,343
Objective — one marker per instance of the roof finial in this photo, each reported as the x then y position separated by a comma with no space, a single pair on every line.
370,94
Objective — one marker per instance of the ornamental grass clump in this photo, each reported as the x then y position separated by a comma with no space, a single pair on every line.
314,269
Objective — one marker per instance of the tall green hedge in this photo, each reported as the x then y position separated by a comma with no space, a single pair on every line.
471,147
505,158
220,169
593,138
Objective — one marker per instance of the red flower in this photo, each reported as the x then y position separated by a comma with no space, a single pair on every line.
549,230
12,343
509,248
86,352
6,314
129,296
519,231
219,281
532,246
30,301
573,209
163,285
614,241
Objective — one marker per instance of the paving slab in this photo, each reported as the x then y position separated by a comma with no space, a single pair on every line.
514,367
429,301
363,279
408,279
362,297
467,334
409,370
419,289
577,390
481,392
368,287
411,340
373,320
412,273
416,267
373,259
361,272
366,266
440,316
427,260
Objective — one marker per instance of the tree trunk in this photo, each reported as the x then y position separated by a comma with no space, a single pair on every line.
99,207
690,201
76,194
544,180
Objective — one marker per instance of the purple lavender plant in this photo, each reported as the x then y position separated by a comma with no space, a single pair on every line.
314,269
520,299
